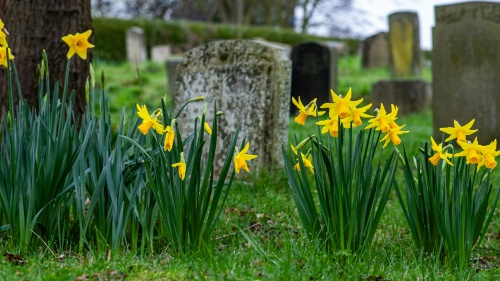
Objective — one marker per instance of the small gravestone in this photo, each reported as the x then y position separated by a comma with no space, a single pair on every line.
404,89
286,47
404,44
160,53
341,47
409,95
250,82
375,51
314,73
172,63
466,67
136,45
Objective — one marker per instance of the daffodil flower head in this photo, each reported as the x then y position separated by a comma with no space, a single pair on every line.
207,128
330,125
341,105
181,167
459,132
304,111
241,157
78,44
383,120
169,136
148,122
489,154
392,135
471,151
355,115
3,55
3,36
307,161
440,153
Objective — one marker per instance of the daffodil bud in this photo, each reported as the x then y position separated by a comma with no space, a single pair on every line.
92,75
219,113
198,98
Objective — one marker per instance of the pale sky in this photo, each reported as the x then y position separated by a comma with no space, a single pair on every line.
377,11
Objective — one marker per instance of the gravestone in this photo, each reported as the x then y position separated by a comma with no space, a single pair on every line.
409,95
466,67
314,73
250,82
136,45
404,44
160,53
286,47
172,63
404,89
375,51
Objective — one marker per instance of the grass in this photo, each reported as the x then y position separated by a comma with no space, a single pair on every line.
259,236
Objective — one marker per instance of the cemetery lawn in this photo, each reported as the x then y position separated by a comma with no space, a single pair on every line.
259,234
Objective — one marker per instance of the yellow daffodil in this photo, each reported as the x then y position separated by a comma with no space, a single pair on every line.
304,111
147,121
169,138
307,160
383,120
471,151
341,105
241,157
355,115
78,44
208,129
440,154
459,132
330,125
181,167
3,56
392,135
3,36
489,154
294,149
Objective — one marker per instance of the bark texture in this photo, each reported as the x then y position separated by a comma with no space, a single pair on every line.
36,25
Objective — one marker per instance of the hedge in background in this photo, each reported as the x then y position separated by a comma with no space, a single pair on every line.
109,34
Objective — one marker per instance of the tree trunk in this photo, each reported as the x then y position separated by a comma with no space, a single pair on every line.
36,25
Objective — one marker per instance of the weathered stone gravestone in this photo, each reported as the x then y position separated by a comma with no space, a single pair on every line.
466,67
408,95
375,51
404,89
286,47
250,82
172,63
404,43
136,45
314,73
160,53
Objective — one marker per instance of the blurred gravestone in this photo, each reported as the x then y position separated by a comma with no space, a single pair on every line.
286,47
404,43
375,51
408,95
466,67
314,73
136,45
404,89
160,53
172,63
250,82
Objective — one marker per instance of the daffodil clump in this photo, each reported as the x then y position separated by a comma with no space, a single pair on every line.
447,194
352,181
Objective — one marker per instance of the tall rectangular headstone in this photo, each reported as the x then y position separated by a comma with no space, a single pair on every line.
136,45
466,67
314,72
172,63
404,42
250,82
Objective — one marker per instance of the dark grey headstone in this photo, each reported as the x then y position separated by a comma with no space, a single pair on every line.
314,72
408,95
466,67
